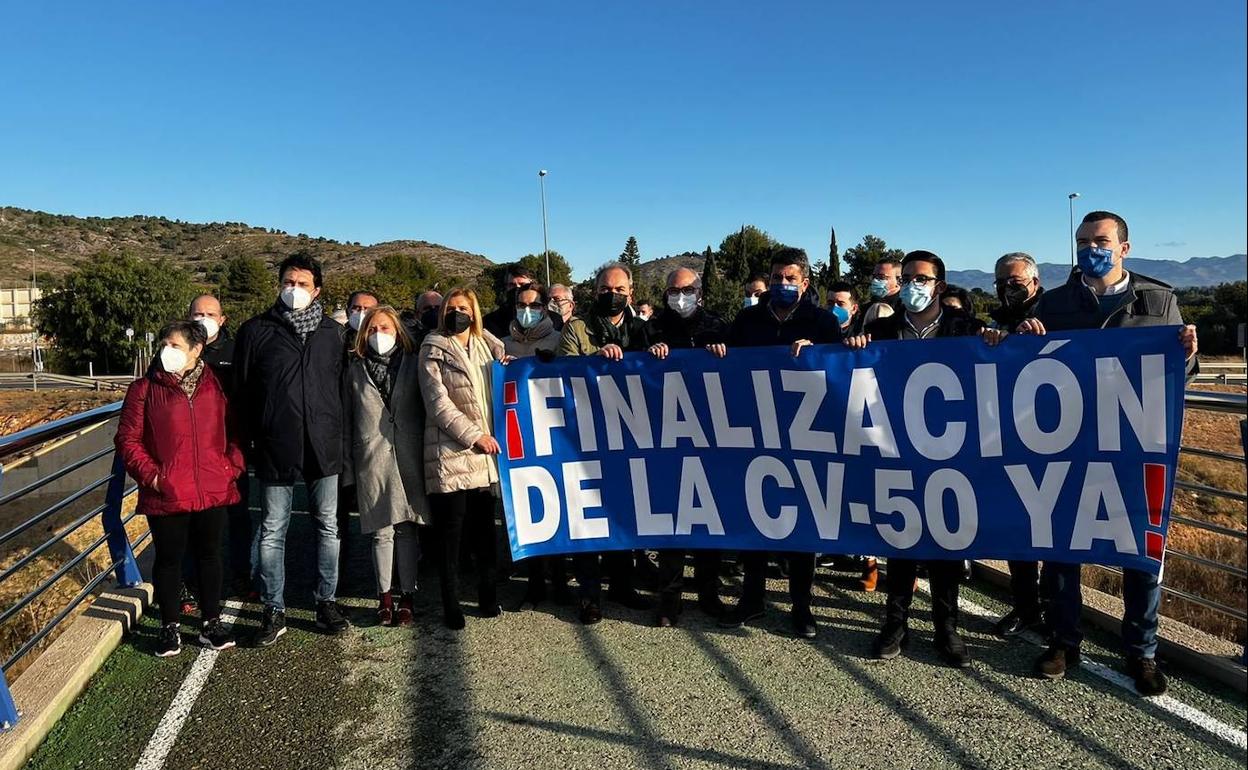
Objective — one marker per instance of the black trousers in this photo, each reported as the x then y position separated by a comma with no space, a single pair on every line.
170,535
944,577
588,568
242,531
541,567
672,572
467,517
1025,585
801,577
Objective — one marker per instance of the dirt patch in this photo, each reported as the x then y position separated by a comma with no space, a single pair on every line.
22,409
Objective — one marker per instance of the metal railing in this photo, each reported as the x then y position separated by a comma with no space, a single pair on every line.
1231,373
121,551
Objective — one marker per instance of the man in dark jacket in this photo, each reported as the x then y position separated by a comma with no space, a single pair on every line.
1101,294
498,321
682,325
923,316
609,330
784,319
885,291
289,377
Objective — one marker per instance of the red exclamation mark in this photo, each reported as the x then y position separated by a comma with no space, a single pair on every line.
515,441
1154,491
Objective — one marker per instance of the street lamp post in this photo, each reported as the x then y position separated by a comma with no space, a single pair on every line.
34,335
1071,200
541,182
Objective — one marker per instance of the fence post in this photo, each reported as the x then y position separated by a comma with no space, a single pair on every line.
118,542
8,709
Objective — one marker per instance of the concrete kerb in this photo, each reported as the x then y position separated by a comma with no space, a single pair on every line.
1179,643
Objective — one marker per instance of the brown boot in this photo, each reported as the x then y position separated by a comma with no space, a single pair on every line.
870,575
385,609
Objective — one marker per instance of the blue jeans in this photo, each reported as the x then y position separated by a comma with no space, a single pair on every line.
1141,598
276,501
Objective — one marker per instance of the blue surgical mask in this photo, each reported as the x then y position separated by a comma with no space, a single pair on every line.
749,302
785,294
842,315
879,287
916,298
527,317
1095,262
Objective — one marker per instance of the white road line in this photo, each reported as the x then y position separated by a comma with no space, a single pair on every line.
1166,703
166,734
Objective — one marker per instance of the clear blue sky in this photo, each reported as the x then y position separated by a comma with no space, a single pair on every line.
957,127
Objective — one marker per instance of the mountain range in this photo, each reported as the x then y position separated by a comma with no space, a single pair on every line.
1197,271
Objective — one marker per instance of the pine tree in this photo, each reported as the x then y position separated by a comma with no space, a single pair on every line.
710,279
834,260
631,255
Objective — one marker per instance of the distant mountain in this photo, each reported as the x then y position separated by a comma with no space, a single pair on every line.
1197,271
62,241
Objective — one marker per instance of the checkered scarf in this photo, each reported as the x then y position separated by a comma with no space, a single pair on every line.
305,321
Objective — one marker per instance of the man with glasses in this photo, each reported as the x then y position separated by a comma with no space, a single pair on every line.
562,306
923,317
498,321
684,324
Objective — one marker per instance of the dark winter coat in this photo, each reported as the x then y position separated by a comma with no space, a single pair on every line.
757,326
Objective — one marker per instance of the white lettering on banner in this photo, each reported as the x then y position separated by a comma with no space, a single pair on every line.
680,420
545,417
522,480
632,411
813,386
766,409
865,399
727,436
585,428
648,523
949,480
988,410
922,379
760,469
825,506
1057,375
1039,501
886,481
1101,485
696,504
581,498
1146,414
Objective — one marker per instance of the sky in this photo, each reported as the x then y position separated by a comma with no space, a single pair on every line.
954,127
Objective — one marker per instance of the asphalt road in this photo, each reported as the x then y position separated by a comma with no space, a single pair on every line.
537,690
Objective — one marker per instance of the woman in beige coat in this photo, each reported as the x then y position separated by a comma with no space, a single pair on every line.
456,378
385,426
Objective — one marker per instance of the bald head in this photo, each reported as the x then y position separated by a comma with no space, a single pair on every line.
207,309
682,277
430,299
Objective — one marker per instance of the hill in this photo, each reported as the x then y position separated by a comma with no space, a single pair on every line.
1194,272
62,241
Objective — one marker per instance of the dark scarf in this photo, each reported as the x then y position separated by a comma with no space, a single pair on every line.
305,321
1009,318
381,370
190,380
604,333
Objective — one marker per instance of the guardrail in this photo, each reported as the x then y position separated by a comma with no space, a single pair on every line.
1223,373
35,380
120,549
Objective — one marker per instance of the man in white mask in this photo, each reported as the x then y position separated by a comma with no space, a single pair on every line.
289,383
359,303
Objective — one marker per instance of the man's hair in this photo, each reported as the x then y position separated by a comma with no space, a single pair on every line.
926,256
515,270
1033,271
613,266
961,295
542,294
889,262
1097,216
758,278
843,286
192,331
358,292
791,255
560,287
301,260
697,279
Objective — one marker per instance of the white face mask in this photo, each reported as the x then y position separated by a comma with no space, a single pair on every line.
354,320
683,304
381,342
296,298
173,360
749,302
210,325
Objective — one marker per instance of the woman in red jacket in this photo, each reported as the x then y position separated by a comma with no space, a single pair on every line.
174,442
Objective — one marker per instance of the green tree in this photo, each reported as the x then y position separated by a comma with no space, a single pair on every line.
560,270
862,259
88,313
247,286
631,255
745,252
834,260
397,279
718,295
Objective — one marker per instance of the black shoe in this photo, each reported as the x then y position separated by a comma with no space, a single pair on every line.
890,642
590,613
740,615
168,641
491,610
215,636
712,605
952,650
454,619
272,627
329,617
562,594
630,599
1054,662
966,571
803,624
665,621
1148,678
1017,622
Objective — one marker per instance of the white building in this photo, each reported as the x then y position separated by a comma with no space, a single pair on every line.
15,304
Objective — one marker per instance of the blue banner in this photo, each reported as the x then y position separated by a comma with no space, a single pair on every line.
1053,448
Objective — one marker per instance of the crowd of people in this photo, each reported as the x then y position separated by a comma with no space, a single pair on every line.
389,415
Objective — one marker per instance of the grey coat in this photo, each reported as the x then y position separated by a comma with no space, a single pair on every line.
453,416
385,457
528,342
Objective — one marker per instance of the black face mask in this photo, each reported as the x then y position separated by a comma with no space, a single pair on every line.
457,322
609,304
1012,295
429,318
